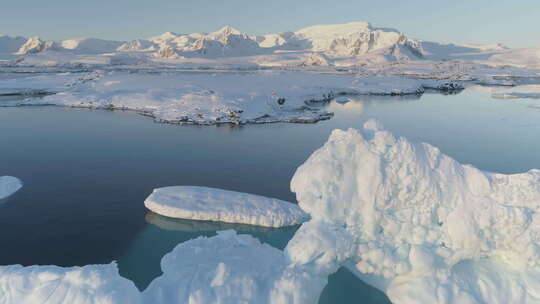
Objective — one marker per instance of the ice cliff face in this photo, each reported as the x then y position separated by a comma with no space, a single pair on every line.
417,224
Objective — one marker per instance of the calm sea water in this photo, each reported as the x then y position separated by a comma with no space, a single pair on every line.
86,173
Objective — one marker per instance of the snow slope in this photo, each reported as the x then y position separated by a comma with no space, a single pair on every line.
527,58
9,185
99,284
417,224
90,45
202,203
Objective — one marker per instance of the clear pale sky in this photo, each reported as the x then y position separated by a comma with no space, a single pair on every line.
515,23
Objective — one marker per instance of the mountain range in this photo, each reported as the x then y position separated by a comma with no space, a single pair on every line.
315,45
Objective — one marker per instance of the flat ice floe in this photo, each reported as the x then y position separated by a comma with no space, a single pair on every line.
521,92
9,185
417,224
57,285
202,203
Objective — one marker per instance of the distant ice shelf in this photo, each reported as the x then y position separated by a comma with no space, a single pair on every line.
9,185
210,204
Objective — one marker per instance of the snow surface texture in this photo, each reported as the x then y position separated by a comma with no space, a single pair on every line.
213,98
9,185
99,284
244,271
210,204
417,224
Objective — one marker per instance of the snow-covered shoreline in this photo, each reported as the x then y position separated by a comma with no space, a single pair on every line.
210,97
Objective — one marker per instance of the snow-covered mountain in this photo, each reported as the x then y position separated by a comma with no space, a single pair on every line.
352,39
525,57
226,42
91,45
320,45
36,45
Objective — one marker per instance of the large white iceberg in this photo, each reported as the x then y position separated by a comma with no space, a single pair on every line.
9,185
230,269
91,284
211,204
417,224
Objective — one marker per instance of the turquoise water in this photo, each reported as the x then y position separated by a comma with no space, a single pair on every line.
86,173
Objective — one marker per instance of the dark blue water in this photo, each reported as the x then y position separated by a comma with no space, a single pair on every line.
86,173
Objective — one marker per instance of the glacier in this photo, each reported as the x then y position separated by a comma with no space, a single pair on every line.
211,204
9,185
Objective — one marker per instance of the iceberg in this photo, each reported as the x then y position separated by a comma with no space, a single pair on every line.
9,185
244,271
210,204
415,223
74,285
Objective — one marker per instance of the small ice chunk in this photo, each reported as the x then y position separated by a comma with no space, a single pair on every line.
210,204
75,285
9,185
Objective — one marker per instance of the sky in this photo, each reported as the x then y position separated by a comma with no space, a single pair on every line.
514,23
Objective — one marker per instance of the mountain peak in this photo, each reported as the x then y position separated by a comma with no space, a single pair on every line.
228,30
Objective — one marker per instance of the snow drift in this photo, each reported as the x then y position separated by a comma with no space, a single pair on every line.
202,203
9,185
417,224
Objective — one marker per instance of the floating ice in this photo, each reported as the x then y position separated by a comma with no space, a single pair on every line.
230,269
521,92
99,284
202,203
9,185
417,224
